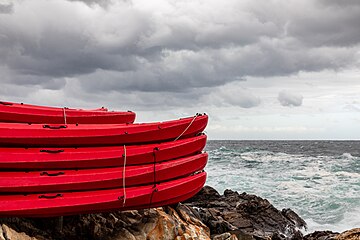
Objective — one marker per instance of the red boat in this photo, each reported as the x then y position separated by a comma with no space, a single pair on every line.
100,178
76,135
69,203
25,113
94,157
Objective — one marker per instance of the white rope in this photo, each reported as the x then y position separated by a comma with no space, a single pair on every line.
186,128
64,114
123,176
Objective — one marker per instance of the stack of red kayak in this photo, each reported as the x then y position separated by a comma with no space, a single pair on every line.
62,161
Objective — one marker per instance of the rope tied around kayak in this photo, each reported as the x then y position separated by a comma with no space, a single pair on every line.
124,176
64,114
187,127
155,150
154,164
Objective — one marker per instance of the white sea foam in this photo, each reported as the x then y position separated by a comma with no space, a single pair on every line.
323,189
351,220
348,155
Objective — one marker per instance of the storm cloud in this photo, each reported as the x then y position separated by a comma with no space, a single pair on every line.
173,58
6,7
172,46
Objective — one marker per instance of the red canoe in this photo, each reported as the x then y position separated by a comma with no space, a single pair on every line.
93,157
24,113
69,203
71,135
100,178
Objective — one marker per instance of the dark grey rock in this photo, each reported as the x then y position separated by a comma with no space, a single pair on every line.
251,214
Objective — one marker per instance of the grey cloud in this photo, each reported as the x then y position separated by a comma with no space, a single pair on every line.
103,3
232,95
130,47
6,8
31,81
290,99
314,23
242,99
183,70
66,49
176,72
138,100
341,4
328,23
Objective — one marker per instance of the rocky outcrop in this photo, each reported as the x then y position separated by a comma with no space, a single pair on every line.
247,216
7,233
150,224
208,215
321,235
353,234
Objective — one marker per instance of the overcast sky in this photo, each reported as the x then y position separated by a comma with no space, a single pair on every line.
265,69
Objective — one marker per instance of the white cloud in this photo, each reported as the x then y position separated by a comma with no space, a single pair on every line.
290,99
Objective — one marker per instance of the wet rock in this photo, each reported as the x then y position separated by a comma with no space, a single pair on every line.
250,214
353,234
296,219
321,235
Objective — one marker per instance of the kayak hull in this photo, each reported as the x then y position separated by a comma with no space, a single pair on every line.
24,113
39,135
70,203
100,178
94,157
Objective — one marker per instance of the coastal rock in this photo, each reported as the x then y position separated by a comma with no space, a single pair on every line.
150,224
225,236
208,215
1,234
245,214
8,233
177,222
321,235
353,234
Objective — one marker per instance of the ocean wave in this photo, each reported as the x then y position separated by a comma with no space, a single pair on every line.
348,156
322,188
350,220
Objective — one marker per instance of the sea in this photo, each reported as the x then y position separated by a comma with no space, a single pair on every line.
319,180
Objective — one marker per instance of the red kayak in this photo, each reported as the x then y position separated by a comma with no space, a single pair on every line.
31,106
76,135
93,157
24,113
70,203
100,178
